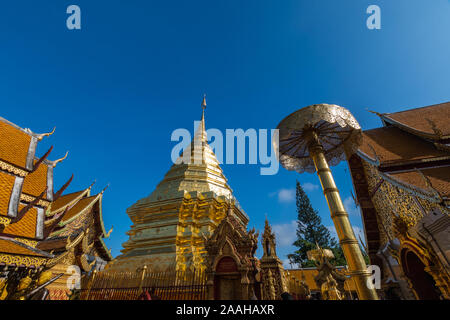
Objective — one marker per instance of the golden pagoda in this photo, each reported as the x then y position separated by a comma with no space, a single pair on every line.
189,203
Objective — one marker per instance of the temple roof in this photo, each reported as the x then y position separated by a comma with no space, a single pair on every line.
78,208
6,187
439,178
26,227
394,147
430,122
15,148
11,246
411,150
67,200
23,202
84,213
35,182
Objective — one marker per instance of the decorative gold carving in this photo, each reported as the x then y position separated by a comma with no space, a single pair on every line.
398,211
5,221
31,243
12,169
26,261
393,201
27,198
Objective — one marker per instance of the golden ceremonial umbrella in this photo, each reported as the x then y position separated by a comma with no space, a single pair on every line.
309,140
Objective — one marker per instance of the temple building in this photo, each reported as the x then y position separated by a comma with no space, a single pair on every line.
232,270
401,174
188,204
77,239
33,217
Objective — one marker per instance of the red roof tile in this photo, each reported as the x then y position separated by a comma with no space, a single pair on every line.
393,146
424,119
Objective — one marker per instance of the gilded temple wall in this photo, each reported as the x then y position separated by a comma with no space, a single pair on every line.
171,236
400,212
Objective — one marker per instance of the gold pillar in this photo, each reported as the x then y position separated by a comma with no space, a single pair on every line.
344,230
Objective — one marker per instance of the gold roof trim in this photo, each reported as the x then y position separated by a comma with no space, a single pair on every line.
12,169
22,260
5,221
27,198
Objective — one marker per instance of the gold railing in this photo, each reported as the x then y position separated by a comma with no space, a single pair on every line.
166,285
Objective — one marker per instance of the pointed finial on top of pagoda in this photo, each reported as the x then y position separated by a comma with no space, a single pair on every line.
204,101
203,106
201,132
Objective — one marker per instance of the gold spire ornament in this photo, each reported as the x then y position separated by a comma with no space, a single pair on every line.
204,102
309,140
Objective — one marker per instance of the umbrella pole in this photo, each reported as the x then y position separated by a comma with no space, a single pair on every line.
344,230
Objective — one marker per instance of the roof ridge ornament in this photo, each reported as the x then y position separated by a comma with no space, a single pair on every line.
39,136
435,128
55,162
25,209
95,180
428,184
50,228
41,159
61,190
104,189
375,112
109,232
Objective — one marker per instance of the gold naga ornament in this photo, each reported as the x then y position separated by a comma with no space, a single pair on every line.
310,140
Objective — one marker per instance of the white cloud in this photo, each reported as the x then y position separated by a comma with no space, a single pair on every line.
308,186
285,233
350,206
288,195
284,195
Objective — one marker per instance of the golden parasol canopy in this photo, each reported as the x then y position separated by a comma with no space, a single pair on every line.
336,128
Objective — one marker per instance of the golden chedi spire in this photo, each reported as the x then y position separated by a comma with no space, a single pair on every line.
196,170
191,200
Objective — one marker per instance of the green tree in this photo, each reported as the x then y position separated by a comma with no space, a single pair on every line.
310,231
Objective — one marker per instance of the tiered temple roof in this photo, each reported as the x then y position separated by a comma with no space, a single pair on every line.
412,152
33,217
25,194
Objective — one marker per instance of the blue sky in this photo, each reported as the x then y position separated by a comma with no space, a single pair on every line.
117,88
